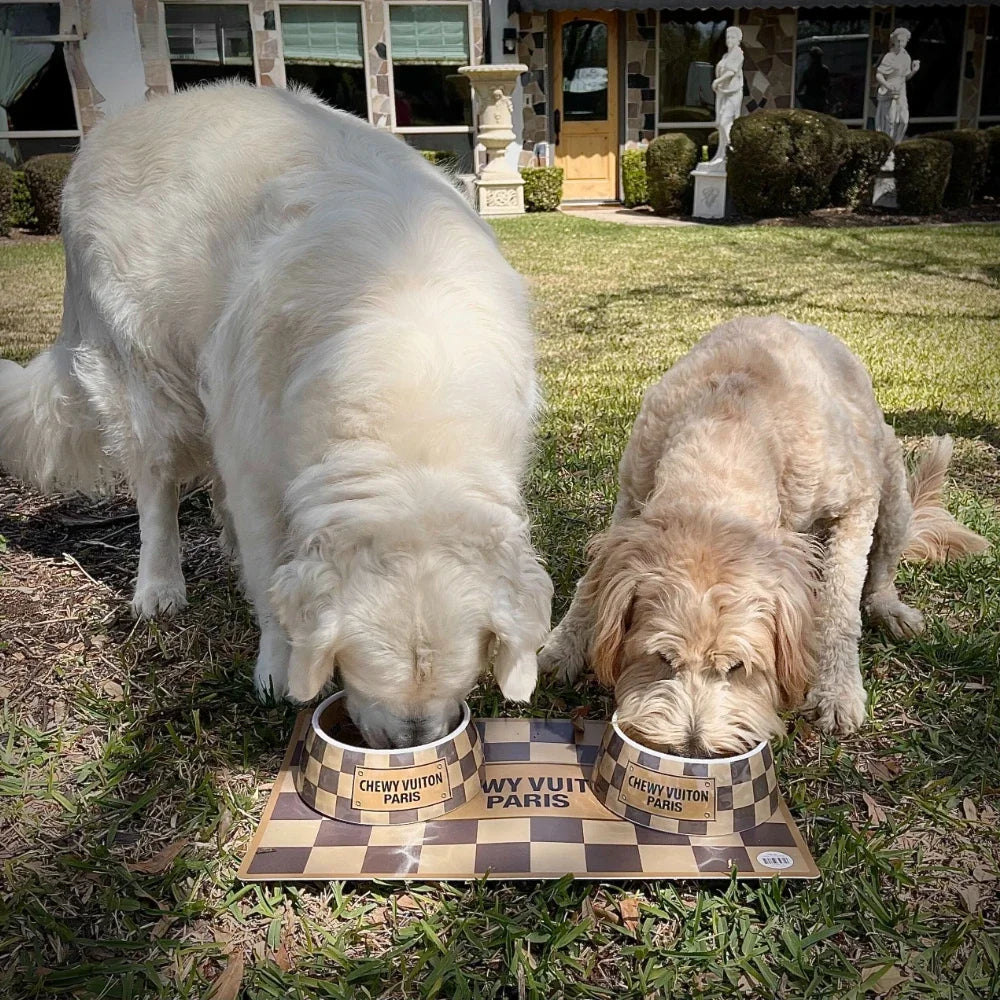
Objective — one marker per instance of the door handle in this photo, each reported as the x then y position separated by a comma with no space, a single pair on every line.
557,123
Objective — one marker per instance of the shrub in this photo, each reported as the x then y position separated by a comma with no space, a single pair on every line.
782,162
441,158
6,198
635,190
542,188
45,176
970,150
670,158
992,183
22,213
922,168
854,183
713,143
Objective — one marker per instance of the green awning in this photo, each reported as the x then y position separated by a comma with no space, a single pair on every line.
429,33
322,33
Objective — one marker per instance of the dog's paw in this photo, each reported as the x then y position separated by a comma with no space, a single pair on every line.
564,665
898,619
841,711
270,674
159,599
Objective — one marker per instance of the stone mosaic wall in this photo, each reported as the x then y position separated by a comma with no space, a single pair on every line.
973,59
640,68
769,54
532,50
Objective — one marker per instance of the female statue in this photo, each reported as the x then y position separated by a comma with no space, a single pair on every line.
728,87
892,113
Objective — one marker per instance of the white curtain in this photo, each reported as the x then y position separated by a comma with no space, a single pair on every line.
20,63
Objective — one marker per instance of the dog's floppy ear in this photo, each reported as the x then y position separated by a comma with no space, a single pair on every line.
795,595
520,611
304,595
610,584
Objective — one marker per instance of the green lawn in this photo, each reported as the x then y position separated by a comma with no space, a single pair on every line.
119,740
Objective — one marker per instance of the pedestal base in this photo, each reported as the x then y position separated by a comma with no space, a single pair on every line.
709,191
885,190
500,195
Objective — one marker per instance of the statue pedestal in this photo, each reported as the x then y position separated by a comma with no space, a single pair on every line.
499,189
709,191
885,185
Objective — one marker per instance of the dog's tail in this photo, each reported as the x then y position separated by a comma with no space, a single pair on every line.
934,534
49,436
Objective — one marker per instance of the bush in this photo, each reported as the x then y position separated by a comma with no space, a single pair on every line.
6,198
782,162
45,176
635,190
922,168
22,213
670,158
970,150
854,183
542,188
441,158
992,183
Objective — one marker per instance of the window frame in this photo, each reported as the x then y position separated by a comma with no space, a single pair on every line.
675,126
427,129
364,39
57,40
869,75
991,7
245,4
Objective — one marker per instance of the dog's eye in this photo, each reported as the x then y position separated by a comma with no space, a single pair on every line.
667,662
733,667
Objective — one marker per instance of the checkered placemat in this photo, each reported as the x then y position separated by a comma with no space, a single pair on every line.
537,819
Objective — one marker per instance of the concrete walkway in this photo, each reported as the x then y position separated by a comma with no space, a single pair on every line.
626,216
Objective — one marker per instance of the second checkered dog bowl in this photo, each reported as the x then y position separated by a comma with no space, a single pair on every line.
701,798
386,787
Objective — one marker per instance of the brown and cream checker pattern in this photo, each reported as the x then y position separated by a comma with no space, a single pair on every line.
294,842
746,790
327,776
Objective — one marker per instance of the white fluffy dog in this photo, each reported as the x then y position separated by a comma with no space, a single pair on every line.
763,500
275,295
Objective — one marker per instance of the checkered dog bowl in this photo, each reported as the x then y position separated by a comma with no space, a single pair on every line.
701,798
386,787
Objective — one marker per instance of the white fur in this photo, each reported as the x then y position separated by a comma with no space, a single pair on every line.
272,294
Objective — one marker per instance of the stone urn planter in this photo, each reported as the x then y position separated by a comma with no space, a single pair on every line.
499,188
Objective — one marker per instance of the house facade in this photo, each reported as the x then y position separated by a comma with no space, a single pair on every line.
602,74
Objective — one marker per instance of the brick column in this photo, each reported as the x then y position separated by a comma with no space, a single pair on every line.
974,63
640,79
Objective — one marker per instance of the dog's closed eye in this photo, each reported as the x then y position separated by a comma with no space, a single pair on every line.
733,667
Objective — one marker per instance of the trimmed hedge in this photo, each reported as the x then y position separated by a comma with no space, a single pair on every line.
781,162
992,183
970,150
922,168
22,212
670,158
542,188
854,183
45,176
6,198
441,158
635,190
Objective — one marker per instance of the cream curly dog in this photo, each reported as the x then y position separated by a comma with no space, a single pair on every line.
763,502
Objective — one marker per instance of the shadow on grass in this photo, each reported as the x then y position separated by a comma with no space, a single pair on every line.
934,420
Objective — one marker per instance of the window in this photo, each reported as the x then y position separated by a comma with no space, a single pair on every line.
37,107
428,43
831,61
585,71
209,42
691,43
937,41
989,107
324,50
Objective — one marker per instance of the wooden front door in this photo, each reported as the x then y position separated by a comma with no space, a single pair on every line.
585,115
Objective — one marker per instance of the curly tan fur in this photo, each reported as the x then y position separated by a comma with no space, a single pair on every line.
762,500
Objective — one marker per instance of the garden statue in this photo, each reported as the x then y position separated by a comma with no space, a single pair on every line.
892,113
728,87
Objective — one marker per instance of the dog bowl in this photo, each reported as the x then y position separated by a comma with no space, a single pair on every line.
386,787
702,798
